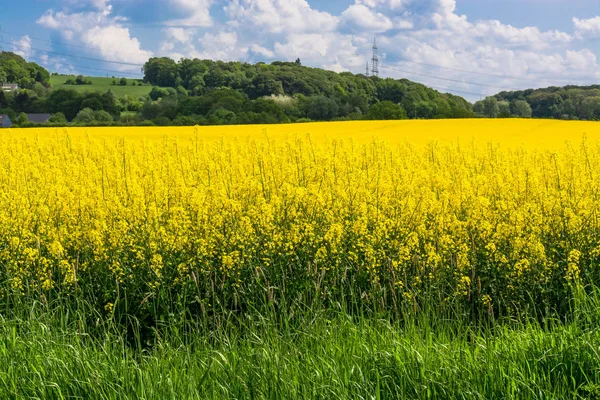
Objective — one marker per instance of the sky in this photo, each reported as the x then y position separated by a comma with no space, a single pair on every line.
472,48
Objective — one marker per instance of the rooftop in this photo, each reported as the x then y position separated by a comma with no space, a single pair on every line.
38,118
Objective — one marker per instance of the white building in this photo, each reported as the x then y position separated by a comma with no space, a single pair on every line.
9,87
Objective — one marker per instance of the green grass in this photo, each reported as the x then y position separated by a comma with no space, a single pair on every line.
102,85
51,352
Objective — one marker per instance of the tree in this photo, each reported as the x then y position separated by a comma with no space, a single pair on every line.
123,82
521,109
101,117
158,93
3,99
64,100
58,119
321,108
478,107
490,107
268,110
161,71
298,62
221,116
21,119
590,108
504,109
14,69
85,117
386,110
356,104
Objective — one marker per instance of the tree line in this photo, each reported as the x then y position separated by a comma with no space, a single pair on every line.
206,92
202,92
568,102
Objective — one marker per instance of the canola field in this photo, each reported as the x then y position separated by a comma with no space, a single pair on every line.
493,215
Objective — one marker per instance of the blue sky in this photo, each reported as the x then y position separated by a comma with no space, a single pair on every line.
470,47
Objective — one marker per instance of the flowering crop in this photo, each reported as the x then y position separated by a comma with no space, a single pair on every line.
495,217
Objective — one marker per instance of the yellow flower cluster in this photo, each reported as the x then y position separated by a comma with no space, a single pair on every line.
116,214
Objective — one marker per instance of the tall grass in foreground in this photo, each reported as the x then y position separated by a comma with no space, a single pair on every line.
48,353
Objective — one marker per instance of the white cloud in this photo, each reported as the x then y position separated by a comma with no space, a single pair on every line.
197,11
22,46
102,33
585,27
435,35
279,16
181,35
361,18
416,36
330,50
261,51
392,4
100,4
222,46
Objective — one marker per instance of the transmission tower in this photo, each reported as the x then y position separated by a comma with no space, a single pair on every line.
375,59
368,72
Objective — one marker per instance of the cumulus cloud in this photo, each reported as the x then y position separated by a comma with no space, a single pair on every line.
423,40
442,48
197,13
100,4
587,27
103,33
181,35
279,16
22,46
360,18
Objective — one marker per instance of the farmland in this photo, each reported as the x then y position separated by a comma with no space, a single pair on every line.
396,259
100,84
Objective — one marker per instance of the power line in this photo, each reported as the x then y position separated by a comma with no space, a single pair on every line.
445,79
73,56
65,44
512,77
83,67
451,91
485,73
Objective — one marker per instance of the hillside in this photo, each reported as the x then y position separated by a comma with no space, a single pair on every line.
346,93
15,69
206,92
134,88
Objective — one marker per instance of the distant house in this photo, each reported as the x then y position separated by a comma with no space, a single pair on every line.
5,121
9,87
38,118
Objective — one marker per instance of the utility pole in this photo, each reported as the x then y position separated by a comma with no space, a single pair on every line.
375,59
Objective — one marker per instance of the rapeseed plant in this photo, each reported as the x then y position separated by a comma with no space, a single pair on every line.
168,218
